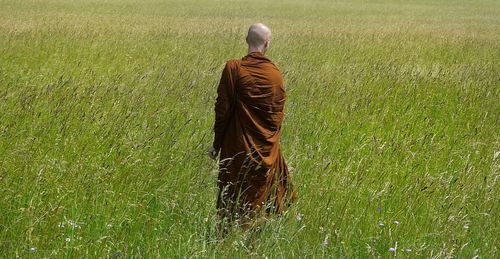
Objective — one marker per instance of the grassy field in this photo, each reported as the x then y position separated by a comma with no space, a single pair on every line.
391,128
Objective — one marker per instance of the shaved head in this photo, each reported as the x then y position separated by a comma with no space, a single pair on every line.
258,37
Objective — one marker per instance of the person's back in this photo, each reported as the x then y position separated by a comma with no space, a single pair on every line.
249,112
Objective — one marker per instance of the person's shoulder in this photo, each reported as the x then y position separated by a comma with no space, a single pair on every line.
231,66
275,66
232,63
272,64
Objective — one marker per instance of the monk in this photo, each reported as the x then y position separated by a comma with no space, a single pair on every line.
253,176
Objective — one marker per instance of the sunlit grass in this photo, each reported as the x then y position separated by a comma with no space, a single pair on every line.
392,116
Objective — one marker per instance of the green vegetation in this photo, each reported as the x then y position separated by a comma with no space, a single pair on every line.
106,110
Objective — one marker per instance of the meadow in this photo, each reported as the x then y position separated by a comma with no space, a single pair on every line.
391,128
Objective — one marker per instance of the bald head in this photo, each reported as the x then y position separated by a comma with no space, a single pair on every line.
258,38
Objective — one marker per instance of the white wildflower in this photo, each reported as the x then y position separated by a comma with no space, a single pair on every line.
392,250
325,241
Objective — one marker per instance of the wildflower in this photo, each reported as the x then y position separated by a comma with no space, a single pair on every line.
466,226
117,254
381,225
300,217
73,224
325,241
396,222
109,225
408,250
33,250
392,250
68,239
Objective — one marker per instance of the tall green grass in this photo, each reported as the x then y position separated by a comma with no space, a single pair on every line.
391,127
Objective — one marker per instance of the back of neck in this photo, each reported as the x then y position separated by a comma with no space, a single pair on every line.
252,49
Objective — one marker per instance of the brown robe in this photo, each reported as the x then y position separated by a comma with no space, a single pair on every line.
249,111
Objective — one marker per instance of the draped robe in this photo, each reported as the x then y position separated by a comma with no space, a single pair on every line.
253,176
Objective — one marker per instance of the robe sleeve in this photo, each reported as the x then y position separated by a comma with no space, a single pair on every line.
223,105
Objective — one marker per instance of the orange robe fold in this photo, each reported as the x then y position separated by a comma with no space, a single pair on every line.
248,114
